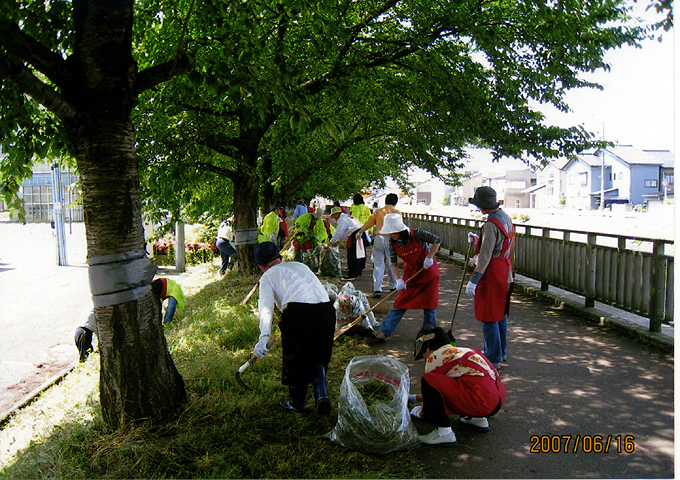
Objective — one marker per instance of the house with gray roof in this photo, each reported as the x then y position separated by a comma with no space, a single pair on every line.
622,174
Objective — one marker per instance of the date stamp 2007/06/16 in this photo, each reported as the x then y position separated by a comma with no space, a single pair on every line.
582,443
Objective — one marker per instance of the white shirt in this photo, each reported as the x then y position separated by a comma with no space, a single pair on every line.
284,283
346,225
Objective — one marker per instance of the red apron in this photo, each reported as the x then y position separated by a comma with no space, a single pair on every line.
473,395
423,290
491,295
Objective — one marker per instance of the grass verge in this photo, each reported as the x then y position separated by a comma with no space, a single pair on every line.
221,432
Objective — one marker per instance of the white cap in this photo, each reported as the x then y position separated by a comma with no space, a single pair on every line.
392,223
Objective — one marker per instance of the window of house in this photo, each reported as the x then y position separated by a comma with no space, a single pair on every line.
583,178
620,176
651,184
610,176
670,179
572,179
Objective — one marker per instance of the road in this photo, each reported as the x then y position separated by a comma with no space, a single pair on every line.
41,304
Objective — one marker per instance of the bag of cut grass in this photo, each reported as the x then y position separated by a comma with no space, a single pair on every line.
329,262
331,290
350,304
373,415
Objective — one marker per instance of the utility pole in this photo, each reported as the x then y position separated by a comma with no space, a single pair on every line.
58,214
602,183
602,174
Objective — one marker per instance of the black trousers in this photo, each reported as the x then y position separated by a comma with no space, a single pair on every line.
307,332
433,406
355,265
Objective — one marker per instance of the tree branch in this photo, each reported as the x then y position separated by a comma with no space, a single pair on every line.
29,84
218,170
158,74
34,53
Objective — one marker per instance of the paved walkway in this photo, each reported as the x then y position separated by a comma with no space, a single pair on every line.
568,380
41,304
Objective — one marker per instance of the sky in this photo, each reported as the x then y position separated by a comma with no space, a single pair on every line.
636,106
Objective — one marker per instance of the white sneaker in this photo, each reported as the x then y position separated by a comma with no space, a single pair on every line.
478,423
442,436
417,411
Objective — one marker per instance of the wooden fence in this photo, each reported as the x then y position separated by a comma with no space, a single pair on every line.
628,272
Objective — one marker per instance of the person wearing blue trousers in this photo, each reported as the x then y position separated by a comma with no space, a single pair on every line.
491,282
417,249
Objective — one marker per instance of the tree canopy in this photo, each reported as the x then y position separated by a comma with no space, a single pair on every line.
291,99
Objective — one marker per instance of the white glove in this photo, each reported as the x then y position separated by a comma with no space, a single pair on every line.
470,289
401,284
428,262
261,349
472,237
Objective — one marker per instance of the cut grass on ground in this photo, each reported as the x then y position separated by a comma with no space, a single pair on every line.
221,432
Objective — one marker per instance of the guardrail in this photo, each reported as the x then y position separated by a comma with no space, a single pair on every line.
632,273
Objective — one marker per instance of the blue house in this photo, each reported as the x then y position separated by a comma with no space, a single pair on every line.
622,173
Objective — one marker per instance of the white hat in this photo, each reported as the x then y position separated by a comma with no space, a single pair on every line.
392,223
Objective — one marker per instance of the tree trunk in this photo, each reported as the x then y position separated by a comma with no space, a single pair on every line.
246,194
138,378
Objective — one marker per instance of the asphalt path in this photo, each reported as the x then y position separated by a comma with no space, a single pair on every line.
583,401
41,304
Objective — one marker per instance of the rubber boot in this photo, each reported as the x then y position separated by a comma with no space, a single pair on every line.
296,402
323,402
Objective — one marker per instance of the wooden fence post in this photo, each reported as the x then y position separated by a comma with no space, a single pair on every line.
590,270
655,282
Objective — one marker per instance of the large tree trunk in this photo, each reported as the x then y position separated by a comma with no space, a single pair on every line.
246,187
138,378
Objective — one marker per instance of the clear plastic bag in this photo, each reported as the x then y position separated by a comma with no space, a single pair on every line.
331,290
350,304
374,425
309,257
329,262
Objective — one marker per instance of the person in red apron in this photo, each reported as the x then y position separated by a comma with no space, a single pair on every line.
457,380
491,282
417,249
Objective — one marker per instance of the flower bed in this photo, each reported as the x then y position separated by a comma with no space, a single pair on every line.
196,252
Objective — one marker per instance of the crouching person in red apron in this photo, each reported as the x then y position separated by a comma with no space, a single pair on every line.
456,381
417,249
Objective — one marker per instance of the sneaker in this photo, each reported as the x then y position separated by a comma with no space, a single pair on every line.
377,294
347,279
497,366
440,436
478,423
380,335
505,358
417,412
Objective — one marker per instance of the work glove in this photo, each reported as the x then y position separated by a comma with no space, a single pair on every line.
428,262
261,349
472,238
401,284
470,289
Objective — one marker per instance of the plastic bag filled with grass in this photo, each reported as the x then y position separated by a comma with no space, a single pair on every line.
373,414
349,304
